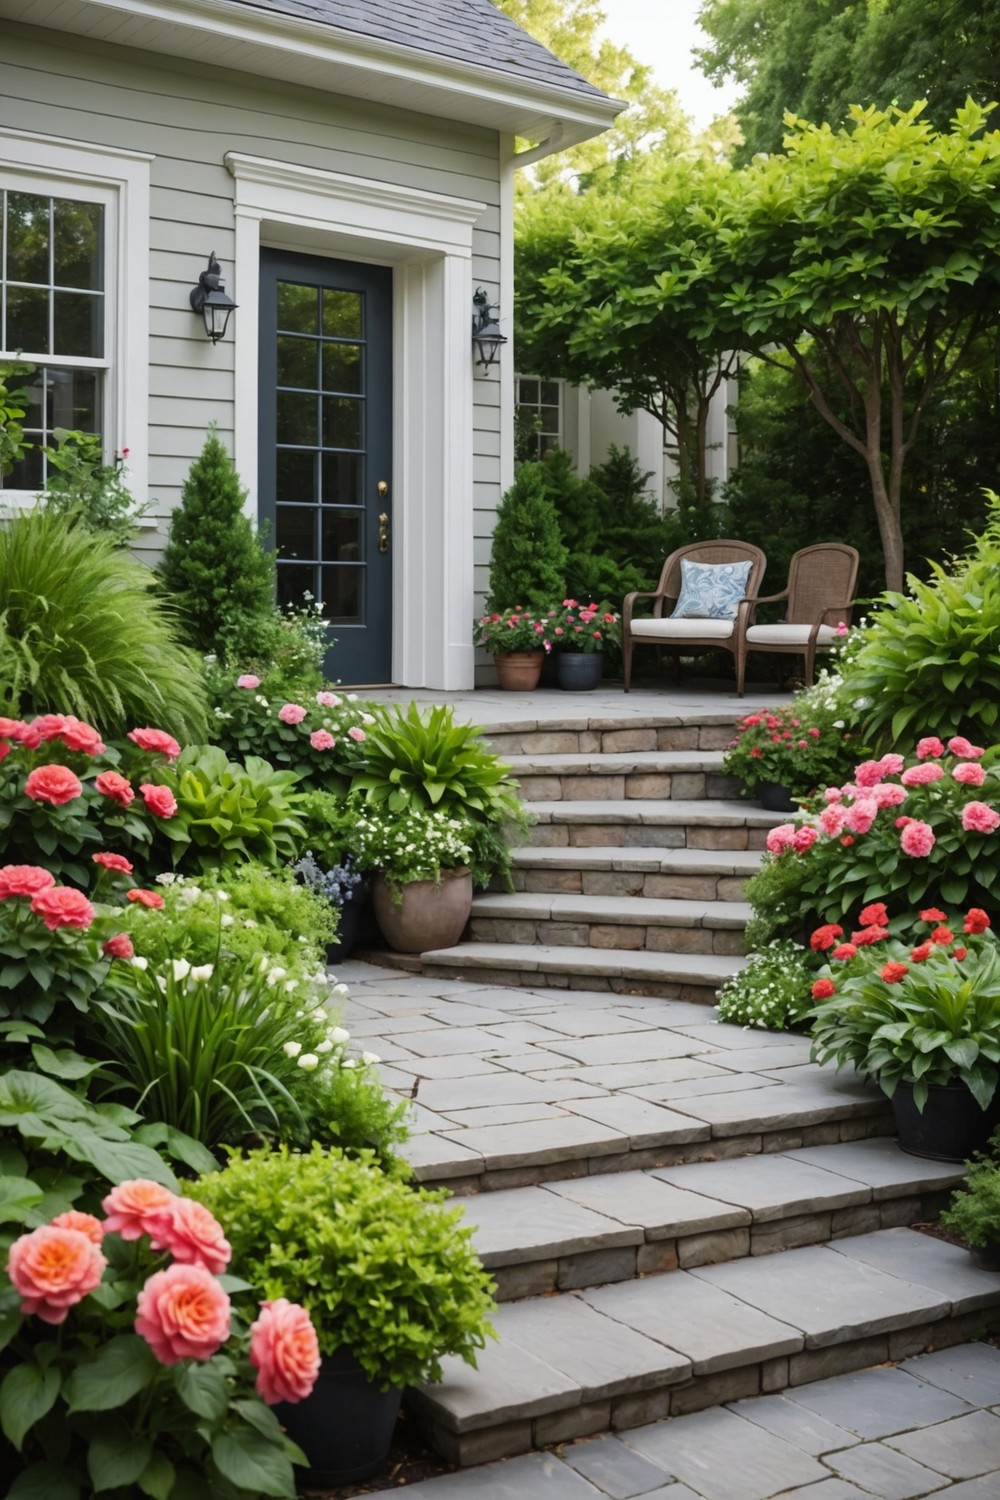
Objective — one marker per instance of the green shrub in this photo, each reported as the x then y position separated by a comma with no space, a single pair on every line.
974,1212
80,483
528,559
773,990
81,632
248,721
285,648
13,405
214,566
809,743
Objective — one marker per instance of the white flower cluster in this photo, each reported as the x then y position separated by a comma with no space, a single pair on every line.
332,1047
771,992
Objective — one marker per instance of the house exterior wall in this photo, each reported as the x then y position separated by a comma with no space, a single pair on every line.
188,119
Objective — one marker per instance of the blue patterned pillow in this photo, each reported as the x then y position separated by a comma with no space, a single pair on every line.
711,591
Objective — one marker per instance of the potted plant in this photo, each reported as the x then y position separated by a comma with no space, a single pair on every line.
423,886
783,753
579,634
921,1017
387,1274
518,640
974,1212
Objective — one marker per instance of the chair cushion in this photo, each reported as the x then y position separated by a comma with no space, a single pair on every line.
789,635
711,591
672,629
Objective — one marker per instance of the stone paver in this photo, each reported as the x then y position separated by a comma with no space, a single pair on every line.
964,1448
884,1472
879,1403
605,1357
617,1469
945,1269
971,1371
881,1165
715,1451
775,1187
529,1223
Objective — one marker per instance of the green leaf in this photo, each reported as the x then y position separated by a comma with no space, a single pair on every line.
26,1395
17,1196
250,1461
117,1456
118,1372
44,1482
157,1478
203,1389
62,1064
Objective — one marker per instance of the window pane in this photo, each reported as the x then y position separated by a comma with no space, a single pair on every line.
28,319
342,314
295,581
54,398
296,478
77,234
528,394
297,419
72,400
298,308
341,422
342,595
78,324
342,367
27,239
341,535
342,478
298,363
295,531
549,393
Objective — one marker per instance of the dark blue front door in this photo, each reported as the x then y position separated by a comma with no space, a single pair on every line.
325,468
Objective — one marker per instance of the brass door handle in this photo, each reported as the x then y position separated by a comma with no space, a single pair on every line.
383,532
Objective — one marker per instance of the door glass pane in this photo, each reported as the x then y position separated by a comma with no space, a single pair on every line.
295,531
341,314
298,363
295,581
342,367
27,240
341,422
297,418
342,478
28,319
341,535
296,477
298,308
77,233
78,324
342,591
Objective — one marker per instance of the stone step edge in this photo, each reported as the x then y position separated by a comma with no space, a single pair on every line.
612,911
708,718
558,1409
708,812
702,970
640,858
617,762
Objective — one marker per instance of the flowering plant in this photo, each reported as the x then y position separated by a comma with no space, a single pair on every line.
772,990
337,885
922,1011
412,845
583,627
517,629
147,1393
804,745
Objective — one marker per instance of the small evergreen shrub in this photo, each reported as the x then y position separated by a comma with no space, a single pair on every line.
528,558
975,1209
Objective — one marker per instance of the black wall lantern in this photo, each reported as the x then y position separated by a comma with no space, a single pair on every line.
209,298
487,340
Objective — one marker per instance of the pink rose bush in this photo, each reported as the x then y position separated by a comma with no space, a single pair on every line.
284,1350
320,735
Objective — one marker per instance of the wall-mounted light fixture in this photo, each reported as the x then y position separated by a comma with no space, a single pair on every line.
487,340
209,298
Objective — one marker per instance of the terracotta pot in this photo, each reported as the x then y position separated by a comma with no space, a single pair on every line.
519,671
345,1426
579,671
431,914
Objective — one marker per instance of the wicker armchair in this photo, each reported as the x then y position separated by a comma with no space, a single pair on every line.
684,636
820,594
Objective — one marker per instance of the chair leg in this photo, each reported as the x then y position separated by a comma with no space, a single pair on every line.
627,658
810,656
678,669
741,668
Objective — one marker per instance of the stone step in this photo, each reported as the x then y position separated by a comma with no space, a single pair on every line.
642,775
663,824
611,922
609,870
608,736
629,1353
575,1232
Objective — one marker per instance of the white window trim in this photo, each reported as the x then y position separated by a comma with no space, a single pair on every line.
427,238
120,179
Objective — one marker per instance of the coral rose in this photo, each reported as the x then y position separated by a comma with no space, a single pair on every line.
110,784
322,739
868,773
929,747
111,861
53,784
922,952
119,946
922,775
960,746
26,735
823,989
76,735
284,1351
931,914
11,729
192,1235
53,1269
155,739
132,1205
869,935
918,839
862,815
152,899
976,920
24,880
888,794
824,937
969,773
892,764
782,837
894,973
183,1313
979,817
327,700
85,1223
291,713
159,799
845,951
47,726
804,839
62,907
941,935
832,819
959,953
874,915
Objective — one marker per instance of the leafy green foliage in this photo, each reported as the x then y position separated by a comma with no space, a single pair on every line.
804,745
285,648
81,632
249,723
772,991
13,404
384,1269
974,1212
228,812
81,484
528,559
213,564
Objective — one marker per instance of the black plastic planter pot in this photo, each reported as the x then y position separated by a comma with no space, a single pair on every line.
775,797
579,671
352,916
950,1127
345,1426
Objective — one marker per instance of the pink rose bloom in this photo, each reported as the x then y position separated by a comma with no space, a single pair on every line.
979,817
960,746
183,1313
832,820
804,839
47,726
357,734
53,1269
192,1235
76,735
111,861
284,1351
917,838
888,794
249,681
327,700
152,899
322,739
24,880
84,1223
892,764
155,739
833,794
868,773
970,773
930,747
119,946
922,775
782,837
53,784
62,906
25,734
110,784
132,1205
291,713
861,815
159,799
